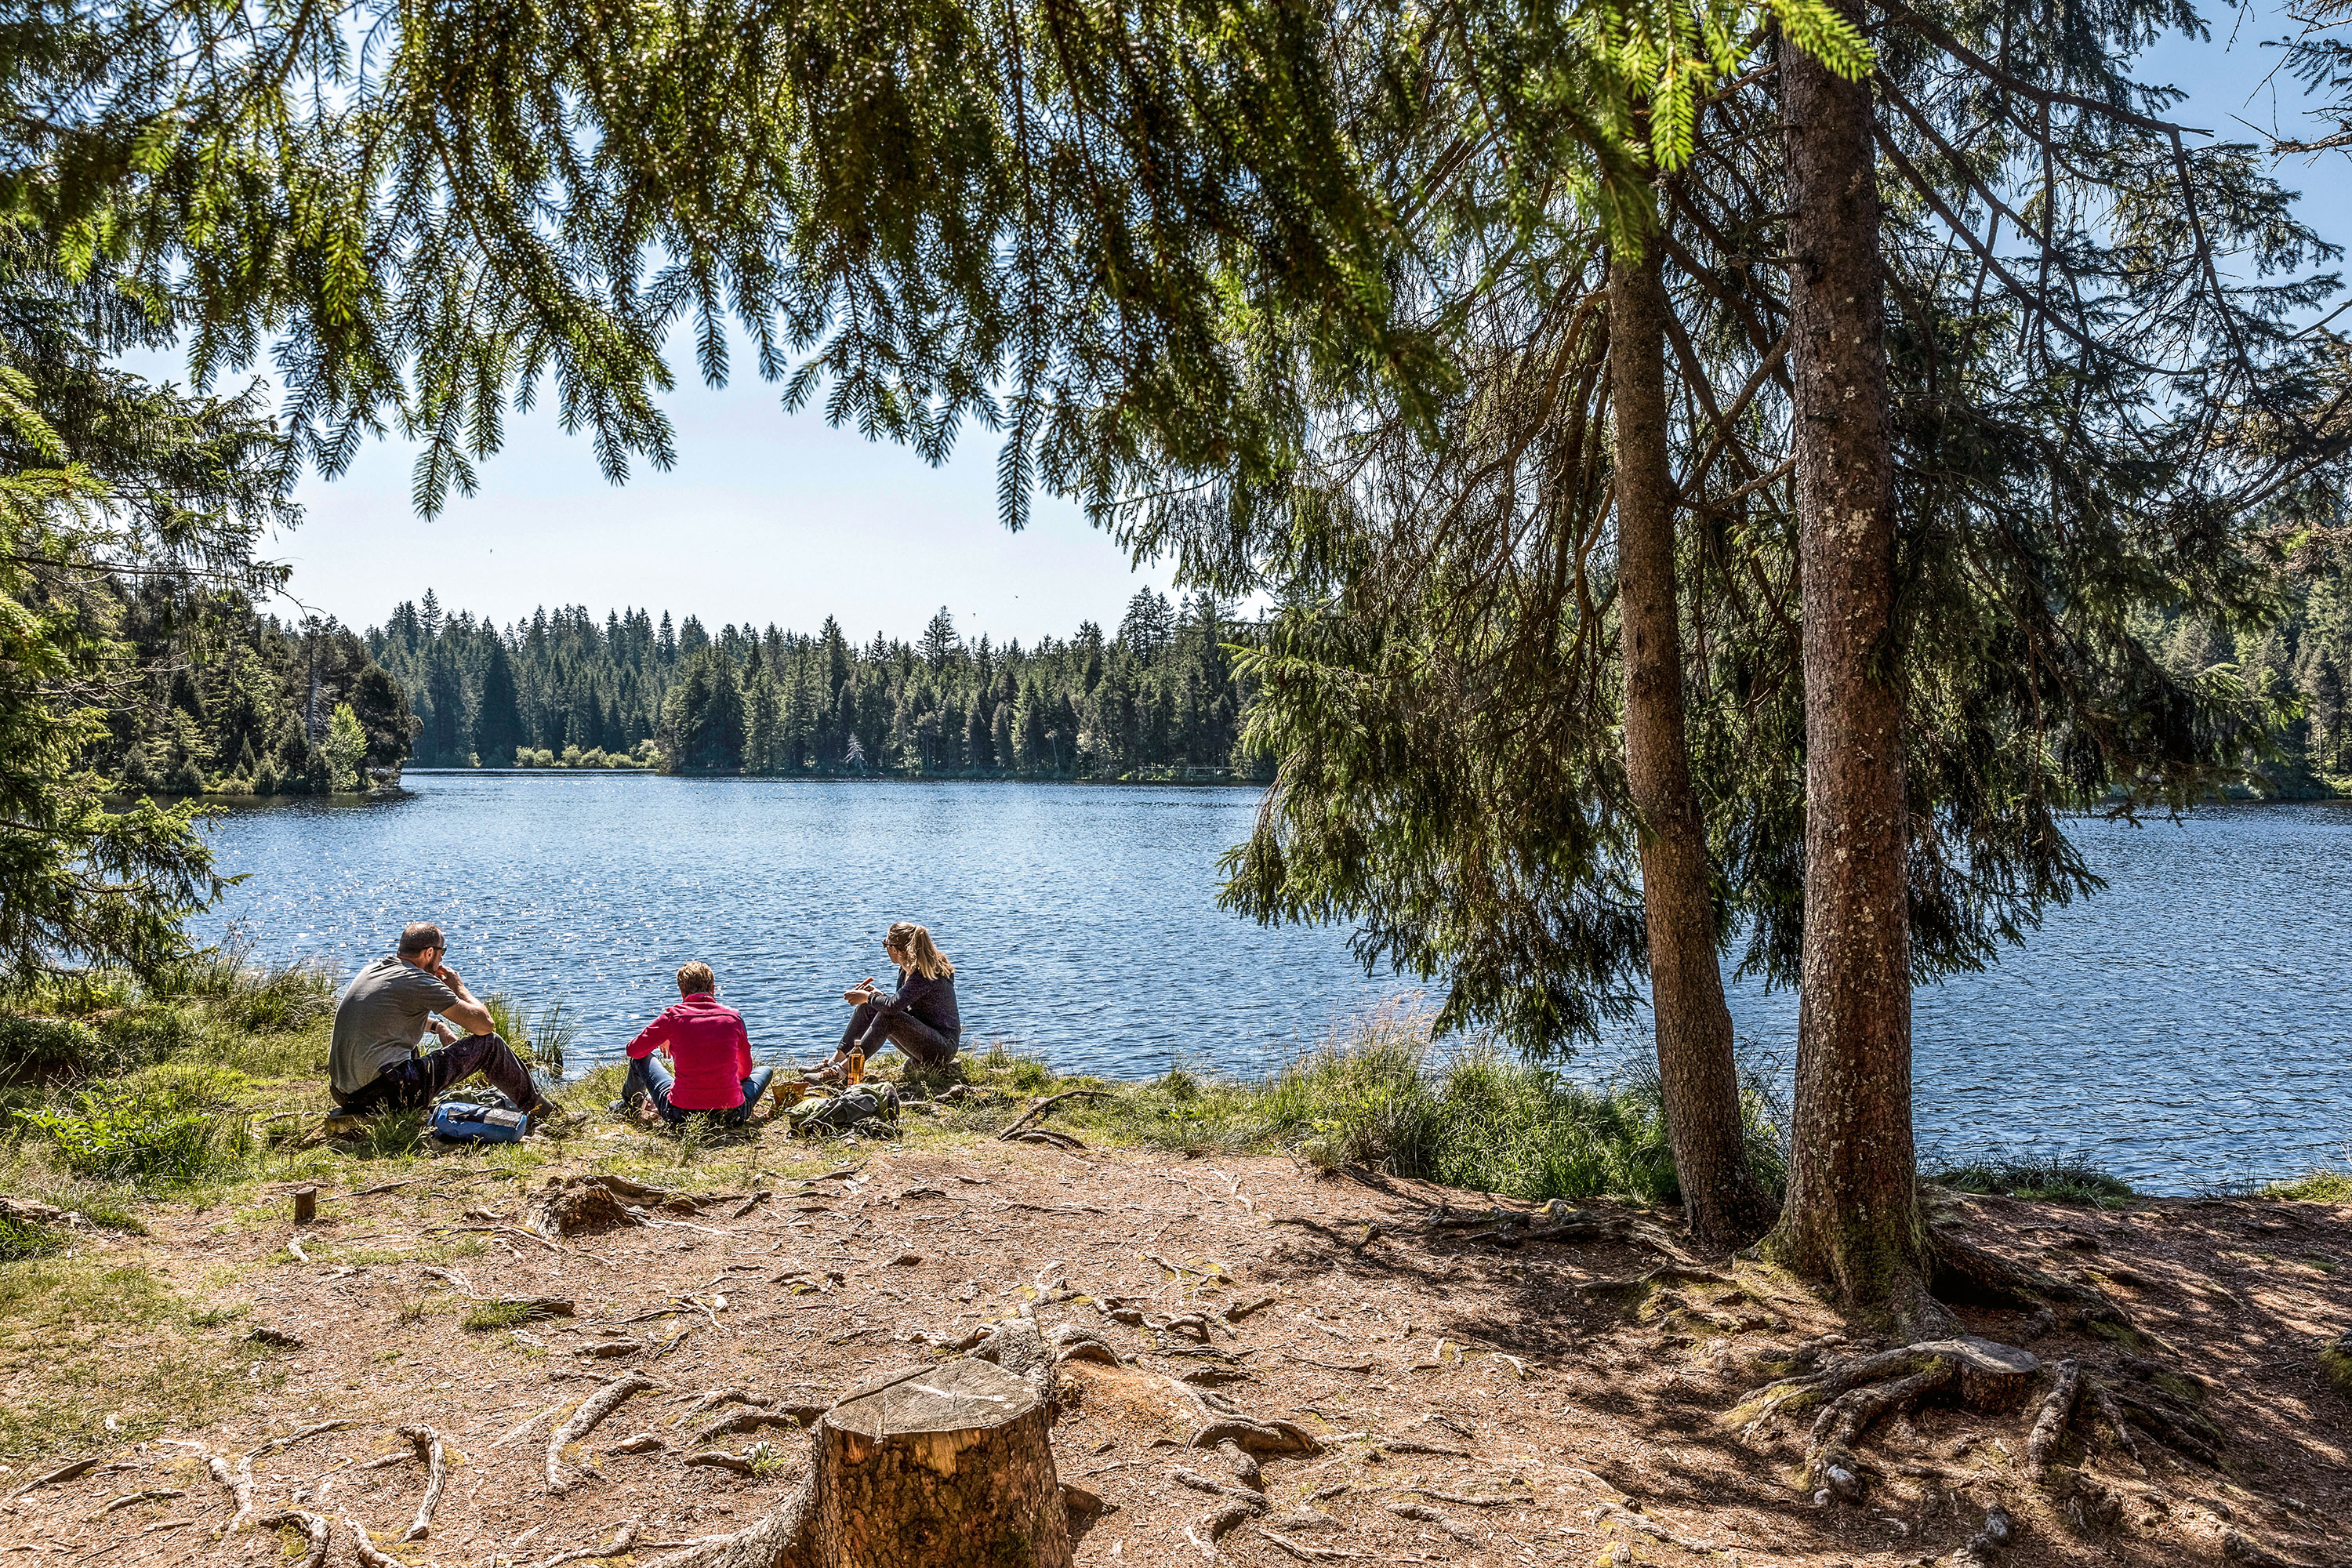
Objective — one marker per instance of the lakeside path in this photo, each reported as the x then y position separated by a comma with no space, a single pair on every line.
1517,1417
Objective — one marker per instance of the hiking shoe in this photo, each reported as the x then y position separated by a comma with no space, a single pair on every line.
554,1119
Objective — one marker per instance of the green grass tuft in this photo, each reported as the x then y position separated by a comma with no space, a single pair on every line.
2063,1178
481,1316
2320,1186
21,1239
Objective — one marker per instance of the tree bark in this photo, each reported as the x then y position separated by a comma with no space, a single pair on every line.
946,1467
1852,1218
1696,1068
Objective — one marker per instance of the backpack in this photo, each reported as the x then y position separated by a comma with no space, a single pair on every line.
868,1107
461,1122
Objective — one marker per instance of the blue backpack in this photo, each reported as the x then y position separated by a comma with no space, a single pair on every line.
461,1122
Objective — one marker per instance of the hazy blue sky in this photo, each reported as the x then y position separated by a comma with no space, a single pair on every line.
775,517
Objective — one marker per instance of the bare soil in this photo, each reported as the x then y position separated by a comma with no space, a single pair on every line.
1529,1420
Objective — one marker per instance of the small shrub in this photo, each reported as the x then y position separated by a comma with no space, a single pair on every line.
146,1137
149,1032
43,1047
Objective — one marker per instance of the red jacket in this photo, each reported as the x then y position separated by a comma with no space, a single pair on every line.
707,1043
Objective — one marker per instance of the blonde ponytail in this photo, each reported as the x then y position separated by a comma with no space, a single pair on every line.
922,957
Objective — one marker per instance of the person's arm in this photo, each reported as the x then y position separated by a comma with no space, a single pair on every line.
653,1034
464,1011
742,1050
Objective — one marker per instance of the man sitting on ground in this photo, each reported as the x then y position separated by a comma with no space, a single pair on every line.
380,1018
712,1051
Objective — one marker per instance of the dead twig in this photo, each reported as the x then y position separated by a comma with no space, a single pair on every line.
131,1499
1046,1104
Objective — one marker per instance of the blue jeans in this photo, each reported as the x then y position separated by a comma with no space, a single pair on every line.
648,1075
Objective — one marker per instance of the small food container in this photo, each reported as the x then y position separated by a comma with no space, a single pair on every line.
790,1093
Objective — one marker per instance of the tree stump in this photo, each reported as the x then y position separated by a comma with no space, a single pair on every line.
944,1466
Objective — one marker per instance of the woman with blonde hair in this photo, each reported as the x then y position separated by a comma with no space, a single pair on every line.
919,1019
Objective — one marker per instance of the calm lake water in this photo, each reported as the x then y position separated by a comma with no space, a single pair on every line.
2184,1028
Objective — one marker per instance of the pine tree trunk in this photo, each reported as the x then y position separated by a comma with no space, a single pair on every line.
1695,1067
948,1467
1851,1216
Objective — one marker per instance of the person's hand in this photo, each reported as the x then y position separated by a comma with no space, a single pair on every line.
449,977
443,1032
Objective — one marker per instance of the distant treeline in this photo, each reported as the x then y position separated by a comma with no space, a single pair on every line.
218,698
565,690
2302,662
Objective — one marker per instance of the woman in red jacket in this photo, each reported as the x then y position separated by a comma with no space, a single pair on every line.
712,1052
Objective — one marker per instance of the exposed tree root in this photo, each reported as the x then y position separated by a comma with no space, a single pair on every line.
319,1532
794,1417
1306,1553
1428,1515
427,1443
623,1539
238,1484
711,1399
1965,1271
1983,1548
598,1405
721,1459
132,1500
2050,1422
1635,1287
366,1551
52,1478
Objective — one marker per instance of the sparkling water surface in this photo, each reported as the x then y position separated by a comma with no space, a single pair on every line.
2185,1028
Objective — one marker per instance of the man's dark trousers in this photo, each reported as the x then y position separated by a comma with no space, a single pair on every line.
411,1085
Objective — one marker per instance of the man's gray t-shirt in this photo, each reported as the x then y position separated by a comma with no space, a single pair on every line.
379,1018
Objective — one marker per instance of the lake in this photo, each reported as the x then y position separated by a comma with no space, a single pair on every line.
2182,1029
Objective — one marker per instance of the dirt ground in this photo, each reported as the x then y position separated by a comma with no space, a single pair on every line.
1531,1421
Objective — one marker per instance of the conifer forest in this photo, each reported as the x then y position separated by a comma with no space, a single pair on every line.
1159,699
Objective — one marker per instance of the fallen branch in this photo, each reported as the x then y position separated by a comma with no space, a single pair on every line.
131,1499
1046,1104
319,1532
597,1406
427,1443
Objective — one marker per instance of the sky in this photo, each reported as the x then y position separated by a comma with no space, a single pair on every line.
776,517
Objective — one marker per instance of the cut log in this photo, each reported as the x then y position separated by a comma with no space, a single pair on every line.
937,1468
